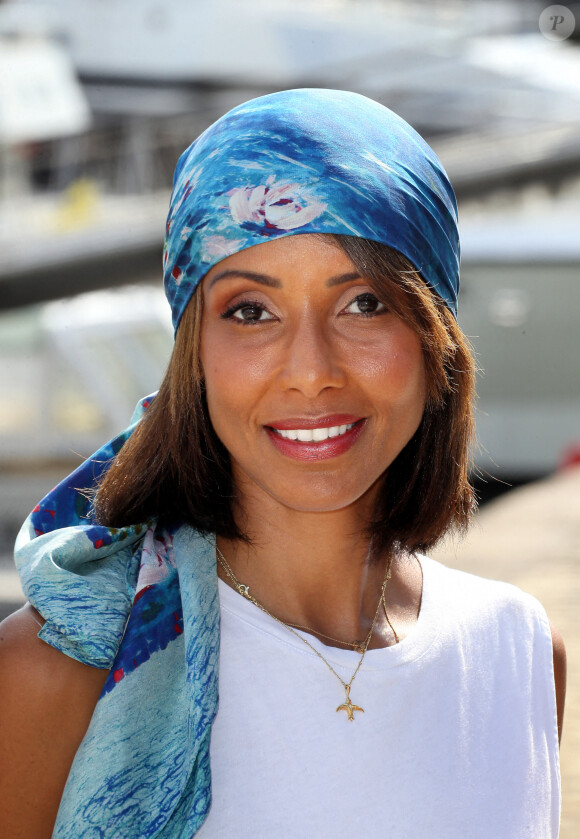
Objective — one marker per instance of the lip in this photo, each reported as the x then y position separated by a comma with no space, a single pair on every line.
328,421
322,450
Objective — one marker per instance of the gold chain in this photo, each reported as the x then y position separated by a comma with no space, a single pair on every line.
357,646
389,620
347,706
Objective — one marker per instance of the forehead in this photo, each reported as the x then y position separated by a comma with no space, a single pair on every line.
305,255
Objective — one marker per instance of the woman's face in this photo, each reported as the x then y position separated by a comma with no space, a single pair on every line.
313,386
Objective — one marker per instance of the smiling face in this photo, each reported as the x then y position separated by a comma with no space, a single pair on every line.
313,385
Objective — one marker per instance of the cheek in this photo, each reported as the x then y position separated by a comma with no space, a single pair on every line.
229,372
409,376
217,377
222,358
396,369
234,381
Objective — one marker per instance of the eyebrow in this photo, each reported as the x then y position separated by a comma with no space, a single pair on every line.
343,278
265,279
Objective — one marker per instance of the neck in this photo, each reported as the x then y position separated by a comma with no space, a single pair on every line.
310,568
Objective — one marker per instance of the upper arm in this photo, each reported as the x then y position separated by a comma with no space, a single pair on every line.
46,703
559,654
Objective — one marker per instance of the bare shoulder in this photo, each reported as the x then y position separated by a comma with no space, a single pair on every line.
25,659
46,703
560,669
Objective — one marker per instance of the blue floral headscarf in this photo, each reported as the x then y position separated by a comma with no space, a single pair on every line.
309,161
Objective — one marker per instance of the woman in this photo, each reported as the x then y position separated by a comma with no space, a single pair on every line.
310,439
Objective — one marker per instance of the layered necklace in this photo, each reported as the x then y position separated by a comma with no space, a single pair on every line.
359,646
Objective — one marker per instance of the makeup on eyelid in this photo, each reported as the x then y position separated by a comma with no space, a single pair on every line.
365,297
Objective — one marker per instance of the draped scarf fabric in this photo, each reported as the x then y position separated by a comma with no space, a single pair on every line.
143,766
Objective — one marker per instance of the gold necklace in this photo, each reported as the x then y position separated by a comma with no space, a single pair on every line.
347,705
357,646
392,628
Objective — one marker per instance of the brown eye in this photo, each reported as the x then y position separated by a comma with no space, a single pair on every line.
365,304
250,313
247,312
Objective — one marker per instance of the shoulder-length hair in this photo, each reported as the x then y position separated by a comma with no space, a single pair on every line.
175,467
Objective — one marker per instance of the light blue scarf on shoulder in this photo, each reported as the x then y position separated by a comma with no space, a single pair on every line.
142,769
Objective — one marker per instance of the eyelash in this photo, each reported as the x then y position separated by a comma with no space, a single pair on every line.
230,312
367,295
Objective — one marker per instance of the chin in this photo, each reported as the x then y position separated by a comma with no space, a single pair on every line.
323,497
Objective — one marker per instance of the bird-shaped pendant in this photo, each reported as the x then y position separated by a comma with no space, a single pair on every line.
348,706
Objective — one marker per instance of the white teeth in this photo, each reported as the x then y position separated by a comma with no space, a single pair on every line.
314,435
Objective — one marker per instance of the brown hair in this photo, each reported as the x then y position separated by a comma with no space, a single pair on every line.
174,466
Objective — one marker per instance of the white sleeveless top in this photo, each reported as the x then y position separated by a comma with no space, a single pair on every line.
458,739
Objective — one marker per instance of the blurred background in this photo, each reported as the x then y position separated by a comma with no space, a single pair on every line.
97,101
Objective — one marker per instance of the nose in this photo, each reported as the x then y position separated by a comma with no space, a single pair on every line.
312,359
